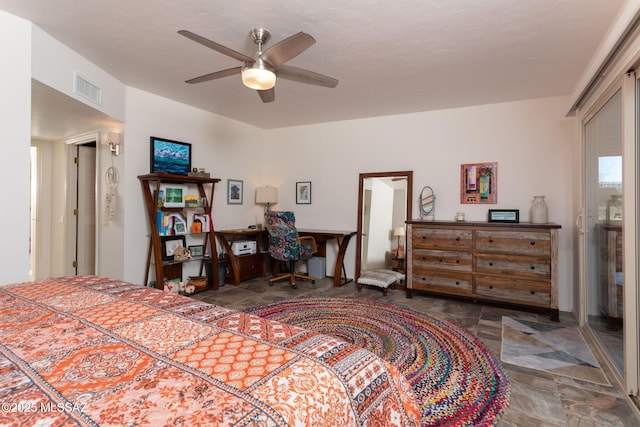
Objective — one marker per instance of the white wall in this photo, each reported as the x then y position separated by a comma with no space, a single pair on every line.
15,110
530,140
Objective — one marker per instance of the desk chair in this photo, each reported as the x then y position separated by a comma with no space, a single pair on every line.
285,245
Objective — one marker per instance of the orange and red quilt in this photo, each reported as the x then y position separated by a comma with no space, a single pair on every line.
93,351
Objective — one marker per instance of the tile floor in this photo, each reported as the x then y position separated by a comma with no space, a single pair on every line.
537,398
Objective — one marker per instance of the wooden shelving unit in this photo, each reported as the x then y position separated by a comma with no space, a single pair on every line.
151,185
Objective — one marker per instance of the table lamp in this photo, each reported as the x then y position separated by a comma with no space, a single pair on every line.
267,196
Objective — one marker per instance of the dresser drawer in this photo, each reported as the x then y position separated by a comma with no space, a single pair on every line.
447,260
442,238
514,290
520,242
521,266
442,281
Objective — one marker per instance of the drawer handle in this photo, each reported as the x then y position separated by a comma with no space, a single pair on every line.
457,238
424,258
533,267
424,279
457,261
533,242
490,264
441,260
424,237
490,240
457,283
533,292
490,286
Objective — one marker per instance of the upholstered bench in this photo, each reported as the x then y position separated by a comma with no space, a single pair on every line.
381,278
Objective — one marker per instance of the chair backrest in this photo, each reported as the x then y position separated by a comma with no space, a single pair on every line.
283,235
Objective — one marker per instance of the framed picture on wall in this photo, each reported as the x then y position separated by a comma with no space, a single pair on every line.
479,183
234,192
303,193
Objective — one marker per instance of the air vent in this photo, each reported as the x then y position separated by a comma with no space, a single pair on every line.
88,90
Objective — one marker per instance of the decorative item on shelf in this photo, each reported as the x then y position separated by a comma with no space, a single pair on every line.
181,254
199,283
266,196
460,216
614,209
199,172
539,210
399,232
191,201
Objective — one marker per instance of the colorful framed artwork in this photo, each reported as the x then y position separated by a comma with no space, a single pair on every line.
479,183
234,192
168,156
303,193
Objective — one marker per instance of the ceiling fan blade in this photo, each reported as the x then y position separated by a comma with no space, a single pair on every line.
215,75
288,48
216,46
305,76
268,95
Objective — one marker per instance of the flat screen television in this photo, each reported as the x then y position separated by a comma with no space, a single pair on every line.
168,156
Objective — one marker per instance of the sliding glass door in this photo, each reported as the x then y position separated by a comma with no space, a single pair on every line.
603,228
610,299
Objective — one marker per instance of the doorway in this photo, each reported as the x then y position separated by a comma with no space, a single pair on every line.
81,195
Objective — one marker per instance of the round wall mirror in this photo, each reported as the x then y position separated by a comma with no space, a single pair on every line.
427,203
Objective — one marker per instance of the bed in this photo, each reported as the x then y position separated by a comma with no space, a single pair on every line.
87,351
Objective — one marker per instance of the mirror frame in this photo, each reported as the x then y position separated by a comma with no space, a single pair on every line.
404,174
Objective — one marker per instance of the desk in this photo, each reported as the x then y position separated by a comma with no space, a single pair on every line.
342,238
243,267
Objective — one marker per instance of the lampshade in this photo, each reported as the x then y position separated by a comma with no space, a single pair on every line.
259,76
398,231
267,195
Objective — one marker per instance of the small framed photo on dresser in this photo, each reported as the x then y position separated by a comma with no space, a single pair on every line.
504,215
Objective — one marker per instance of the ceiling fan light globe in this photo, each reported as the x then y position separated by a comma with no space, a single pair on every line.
258,78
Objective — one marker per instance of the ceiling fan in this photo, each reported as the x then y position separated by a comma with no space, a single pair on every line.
260,72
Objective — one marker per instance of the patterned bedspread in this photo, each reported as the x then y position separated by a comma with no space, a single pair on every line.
87,350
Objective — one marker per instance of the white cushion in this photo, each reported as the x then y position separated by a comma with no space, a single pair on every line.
380,278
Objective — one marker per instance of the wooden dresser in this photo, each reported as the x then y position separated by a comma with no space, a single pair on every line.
513,263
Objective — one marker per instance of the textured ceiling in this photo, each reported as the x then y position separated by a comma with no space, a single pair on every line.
391,57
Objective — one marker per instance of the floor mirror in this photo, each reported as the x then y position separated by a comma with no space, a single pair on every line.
384,204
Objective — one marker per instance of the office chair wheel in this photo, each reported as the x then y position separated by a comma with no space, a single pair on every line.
294,286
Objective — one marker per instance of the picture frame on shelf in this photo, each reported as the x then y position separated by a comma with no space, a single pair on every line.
204,221
303,193
169,156
196,250
234,191
479,183
504,215
174,195
170,244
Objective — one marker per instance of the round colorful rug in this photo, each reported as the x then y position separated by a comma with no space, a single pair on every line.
456,380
